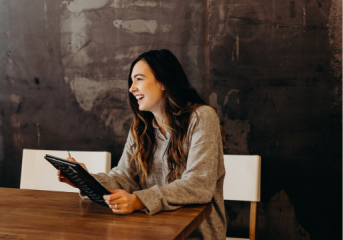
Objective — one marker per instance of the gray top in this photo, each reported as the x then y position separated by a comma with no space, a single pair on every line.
201,182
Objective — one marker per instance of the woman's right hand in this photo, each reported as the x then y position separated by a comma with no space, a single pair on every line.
62,178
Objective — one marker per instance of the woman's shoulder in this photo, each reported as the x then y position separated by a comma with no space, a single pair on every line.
204,125
204,113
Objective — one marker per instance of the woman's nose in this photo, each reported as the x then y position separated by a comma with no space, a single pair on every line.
133,88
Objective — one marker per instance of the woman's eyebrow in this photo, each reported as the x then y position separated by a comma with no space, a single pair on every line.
138,75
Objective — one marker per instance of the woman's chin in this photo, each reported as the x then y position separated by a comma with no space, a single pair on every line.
141,108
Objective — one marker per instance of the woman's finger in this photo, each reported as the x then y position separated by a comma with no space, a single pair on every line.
71,159
116,206
117,201
113,197
60,176
120,211
118,191
63,179
59,173
84,166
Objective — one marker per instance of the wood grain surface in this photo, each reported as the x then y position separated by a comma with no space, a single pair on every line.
34,214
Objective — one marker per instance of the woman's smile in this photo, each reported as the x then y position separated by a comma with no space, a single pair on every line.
139,97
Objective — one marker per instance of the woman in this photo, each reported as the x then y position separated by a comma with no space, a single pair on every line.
174,153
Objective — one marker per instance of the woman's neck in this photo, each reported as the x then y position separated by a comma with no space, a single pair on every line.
161,124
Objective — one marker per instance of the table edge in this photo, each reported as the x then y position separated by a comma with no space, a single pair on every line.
195,223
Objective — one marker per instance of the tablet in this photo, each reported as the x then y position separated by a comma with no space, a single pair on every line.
80,178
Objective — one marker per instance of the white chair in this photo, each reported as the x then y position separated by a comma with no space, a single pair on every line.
243,183
37,173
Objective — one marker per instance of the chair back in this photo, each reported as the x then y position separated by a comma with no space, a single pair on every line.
243,183
243,177
37,173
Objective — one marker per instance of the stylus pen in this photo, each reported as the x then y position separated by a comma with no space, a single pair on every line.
69,154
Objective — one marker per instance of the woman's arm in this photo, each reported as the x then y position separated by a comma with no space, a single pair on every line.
120,177
121,182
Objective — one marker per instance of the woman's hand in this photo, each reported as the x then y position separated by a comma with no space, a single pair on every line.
62,178
122,202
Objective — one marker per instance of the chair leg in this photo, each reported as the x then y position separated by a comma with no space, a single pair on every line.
252,228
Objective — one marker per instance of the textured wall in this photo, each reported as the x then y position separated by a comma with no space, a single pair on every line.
65,67
275,70
272,68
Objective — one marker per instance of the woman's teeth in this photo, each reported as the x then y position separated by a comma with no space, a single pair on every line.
139,97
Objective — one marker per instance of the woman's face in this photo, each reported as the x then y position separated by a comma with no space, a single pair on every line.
147,90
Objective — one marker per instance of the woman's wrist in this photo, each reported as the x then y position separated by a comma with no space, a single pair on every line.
137,203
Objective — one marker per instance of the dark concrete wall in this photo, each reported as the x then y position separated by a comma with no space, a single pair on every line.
272,68
276,75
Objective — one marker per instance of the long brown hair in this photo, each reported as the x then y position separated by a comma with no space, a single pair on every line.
180,101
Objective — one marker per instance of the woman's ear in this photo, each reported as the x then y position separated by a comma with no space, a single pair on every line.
163,88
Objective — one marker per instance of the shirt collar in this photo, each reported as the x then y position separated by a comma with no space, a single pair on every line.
154,125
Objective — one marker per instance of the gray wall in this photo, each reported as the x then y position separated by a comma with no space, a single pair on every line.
272,68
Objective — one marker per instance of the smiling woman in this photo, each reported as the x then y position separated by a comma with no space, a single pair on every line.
174,152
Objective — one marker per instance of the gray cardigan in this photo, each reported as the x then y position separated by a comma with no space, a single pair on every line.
201,182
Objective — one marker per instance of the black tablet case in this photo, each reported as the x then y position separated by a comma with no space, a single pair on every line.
80,178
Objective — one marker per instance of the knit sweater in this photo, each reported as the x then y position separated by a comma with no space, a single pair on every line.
200,183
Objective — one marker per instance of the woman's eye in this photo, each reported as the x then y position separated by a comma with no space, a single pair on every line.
139,79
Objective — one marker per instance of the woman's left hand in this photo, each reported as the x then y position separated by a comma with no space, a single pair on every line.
122,202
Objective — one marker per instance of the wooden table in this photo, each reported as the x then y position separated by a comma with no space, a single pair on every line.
34,214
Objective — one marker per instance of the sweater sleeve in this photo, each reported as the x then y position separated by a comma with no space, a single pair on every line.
121,176
198,182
